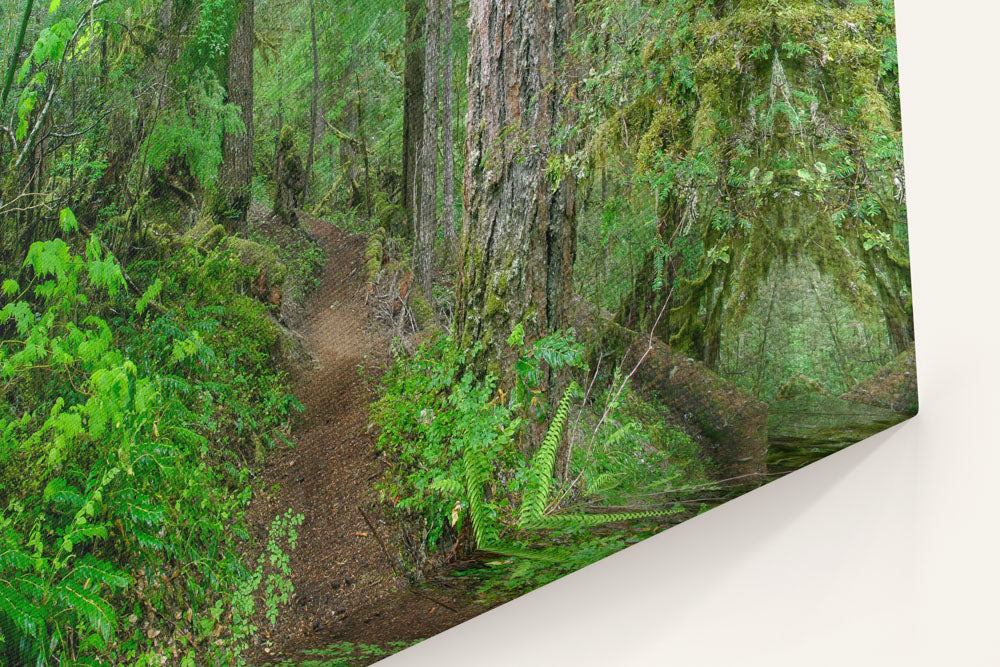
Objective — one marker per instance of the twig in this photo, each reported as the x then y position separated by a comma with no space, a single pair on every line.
378,538
417,591
392,563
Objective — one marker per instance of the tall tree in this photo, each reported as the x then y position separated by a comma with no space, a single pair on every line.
447,127
426,230
313,109
413,109
519,228
237,148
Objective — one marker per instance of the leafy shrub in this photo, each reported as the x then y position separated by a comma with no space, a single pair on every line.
113,496
455,451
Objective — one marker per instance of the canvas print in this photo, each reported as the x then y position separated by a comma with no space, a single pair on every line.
326,326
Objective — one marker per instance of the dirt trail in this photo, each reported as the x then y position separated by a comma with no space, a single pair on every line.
345,586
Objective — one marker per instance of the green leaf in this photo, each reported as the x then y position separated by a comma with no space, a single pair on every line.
89,607
66,218
25,616
516,338
10,287
90,568
151,293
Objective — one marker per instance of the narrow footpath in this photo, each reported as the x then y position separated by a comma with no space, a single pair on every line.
346,587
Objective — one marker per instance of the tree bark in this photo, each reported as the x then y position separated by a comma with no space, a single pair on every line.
447,129
349,147
413,108
428,166
237,149
315,95
519,229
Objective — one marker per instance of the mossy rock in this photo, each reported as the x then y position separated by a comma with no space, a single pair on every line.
211,239
200,228
261,259
800,385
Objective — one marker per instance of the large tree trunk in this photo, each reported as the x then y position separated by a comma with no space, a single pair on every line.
519,231
427,226
413,109
237,149
447,129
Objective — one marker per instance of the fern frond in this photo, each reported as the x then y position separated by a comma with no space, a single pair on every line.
89,607
604,482
448,487
23,615
539,484
548,555
13,558
587,520
98,571
477,469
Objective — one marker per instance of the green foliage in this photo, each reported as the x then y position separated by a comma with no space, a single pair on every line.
779,141
454,451
108,472
346,654
193,130
539,482
438,425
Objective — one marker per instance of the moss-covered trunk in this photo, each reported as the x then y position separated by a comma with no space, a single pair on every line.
233,199
413,105
519,232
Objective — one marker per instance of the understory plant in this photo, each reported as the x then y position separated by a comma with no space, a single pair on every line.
121,517
458,461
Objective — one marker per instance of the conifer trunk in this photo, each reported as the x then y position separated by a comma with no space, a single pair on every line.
237,149
315,95
413,108
519,231
428,166
447,129
349,143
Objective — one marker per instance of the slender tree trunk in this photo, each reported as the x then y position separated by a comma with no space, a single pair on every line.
447,129
364,150
427,226
413,109
349,147
15,53
315,95
519,229
237,149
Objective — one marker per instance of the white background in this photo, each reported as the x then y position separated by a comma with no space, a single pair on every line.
884,554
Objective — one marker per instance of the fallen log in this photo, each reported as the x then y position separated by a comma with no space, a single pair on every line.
733,422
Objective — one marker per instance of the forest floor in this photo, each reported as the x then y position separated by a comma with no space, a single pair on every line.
347,586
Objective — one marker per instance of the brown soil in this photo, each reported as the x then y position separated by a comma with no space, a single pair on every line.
347,588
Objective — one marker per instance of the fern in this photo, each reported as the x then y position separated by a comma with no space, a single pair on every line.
448,487
588,520
89,606
540,474
603,482
478,471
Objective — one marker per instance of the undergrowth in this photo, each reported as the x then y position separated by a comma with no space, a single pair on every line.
346,654
462,463
125,423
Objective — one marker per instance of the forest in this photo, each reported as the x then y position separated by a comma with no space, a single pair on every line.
326,326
